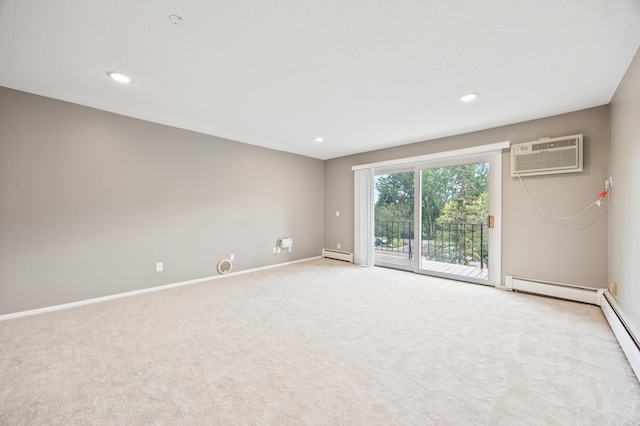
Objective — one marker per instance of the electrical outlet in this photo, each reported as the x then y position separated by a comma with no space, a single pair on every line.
338,245
159,266
337,213
275,250
232,257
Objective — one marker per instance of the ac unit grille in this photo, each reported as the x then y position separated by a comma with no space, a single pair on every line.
558,155
557,144
546,160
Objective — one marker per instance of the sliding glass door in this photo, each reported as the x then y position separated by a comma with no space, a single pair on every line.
440,218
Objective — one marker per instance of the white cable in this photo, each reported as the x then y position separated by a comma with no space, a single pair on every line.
541,210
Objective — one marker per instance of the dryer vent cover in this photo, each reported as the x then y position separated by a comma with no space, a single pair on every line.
224,266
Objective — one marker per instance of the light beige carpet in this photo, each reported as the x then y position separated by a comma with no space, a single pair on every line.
318,343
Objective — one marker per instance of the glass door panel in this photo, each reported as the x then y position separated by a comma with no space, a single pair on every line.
394,239
454,207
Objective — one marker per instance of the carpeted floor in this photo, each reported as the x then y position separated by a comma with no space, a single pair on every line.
318,343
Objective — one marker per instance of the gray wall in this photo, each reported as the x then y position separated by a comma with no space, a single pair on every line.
574,252
89,201
624,217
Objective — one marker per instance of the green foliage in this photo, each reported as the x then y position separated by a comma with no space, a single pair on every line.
472,210
395,197
438,186
390,213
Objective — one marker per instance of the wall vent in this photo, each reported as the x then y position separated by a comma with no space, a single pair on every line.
547,156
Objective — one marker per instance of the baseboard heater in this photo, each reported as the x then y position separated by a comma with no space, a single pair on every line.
625,334
558,290
338,255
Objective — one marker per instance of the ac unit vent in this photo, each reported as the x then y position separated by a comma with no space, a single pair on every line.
545,157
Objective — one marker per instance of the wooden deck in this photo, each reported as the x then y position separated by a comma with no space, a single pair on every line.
390,258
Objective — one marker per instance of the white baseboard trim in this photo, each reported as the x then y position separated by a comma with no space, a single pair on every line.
142,291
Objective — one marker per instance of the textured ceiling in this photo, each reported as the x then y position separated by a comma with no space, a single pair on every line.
364,74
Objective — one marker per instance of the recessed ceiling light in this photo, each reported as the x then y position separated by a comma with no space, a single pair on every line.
468,97
318,139
119,77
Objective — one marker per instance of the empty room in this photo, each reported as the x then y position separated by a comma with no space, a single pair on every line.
319,213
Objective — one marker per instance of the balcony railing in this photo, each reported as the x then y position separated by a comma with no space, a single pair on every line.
457,243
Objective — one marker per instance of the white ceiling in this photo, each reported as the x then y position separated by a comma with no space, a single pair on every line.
364,74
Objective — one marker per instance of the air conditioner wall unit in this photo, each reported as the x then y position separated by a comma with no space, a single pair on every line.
547,156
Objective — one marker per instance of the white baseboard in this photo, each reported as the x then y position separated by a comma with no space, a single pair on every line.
142,291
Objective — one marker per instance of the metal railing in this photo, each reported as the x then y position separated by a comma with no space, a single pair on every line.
394,236
457,243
